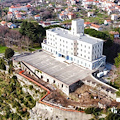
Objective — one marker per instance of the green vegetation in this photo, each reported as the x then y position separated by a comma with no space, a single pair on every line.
95,111
113,116
52,26
2,49
117,60
102,35
2,64
33,31
11,94
9,53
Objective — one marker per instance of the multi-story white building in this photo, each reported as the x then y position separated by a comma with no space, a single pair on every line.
19,8
75,46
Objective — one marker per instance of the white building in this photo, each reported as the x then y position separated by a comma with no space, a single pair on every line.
96,27
74,46
114,17
19,8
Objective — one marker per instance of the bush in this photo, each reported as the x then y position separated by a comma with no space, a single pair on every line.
9,53
31,87
89,110
2,64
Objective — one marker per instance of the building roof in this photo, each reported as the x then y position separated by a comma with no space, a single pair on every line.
66,73
87,23
3,22
9,12
28,6
18,16
94,25
114,33
37,16
66,34
108,20
9,24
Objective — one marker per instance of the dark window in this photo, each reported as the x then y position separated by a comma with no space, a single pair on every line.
47,80
41,76
53,81
62,85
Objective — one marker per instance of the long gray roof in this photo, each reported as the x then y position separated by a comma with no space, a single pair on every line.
64,72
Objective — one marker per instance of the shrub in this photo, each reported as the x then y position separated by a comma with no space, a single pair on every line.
9,53
31,87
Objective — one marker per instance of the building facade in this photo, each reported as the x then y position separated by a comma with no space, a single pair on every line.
75,46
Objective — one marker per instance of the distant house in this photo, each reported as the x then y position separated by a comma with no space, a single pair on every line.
63,16
96,27
18,17
75,9
87,24
73,2
57,9
50,5
16,12
71,15
115,34
11,25
107,22
10,15
3,23
114,17
37,17
90,14
19,8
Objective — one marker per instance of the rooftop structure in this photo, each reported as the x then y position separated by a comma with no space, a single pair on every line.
75,46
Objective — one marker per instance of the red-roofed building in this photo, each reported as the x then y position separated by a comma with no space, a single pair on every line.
37,17
18,16
71,15
19,8
115,34
87,24
3,23
107,22
10,15
96,27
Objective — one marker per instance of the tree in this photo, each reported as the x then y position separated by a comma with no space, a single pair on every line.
117,60
33,31
2,64
9,53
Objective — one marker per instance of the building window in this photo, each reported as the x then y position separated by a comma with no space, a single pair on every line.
53,81
41,77
47,80
62,85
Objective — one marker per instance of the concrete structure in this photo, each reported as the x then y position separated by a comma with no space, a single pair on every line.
75,46
41,64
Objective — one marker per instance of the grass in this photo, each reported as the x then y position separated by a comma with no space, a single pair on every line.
2,49
17,29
